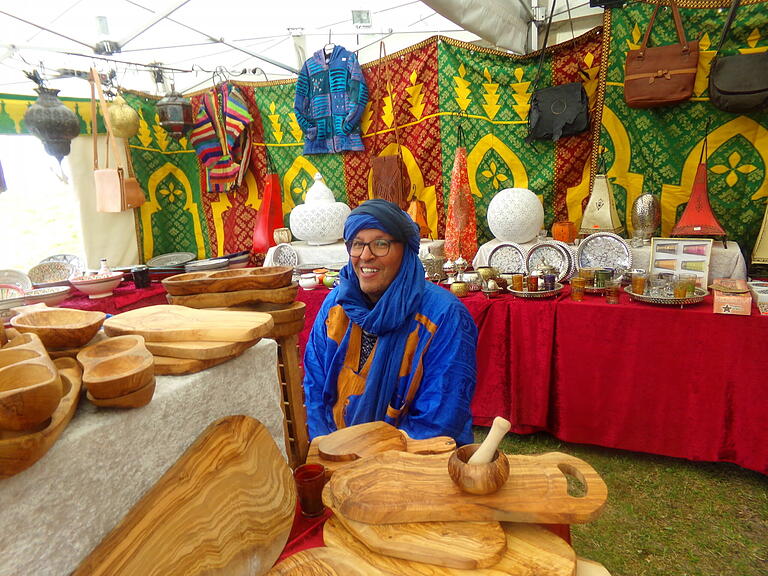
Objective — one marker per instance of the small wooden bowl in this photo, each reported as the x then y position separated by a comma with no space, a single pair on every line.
119,375
477,478
60,327
136,399
10,356
29,394
110,347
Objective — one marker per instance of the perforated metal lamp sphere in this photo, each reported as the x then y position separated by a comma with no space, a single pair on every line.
52,122
175,114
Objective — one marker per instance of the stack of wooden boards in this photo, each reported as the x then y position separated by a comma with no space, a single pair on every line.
267,290
38,397
185,340
398,512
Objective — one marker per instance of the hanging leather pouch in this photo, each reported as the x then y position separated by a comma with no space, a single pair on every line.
661,75
738,83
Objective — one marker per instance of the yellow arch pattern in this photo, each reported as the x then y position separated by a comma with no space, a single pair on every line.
152,206
301,163
476,155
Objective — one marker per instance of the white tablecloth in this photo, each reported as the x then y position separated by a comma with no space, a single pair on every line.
723,263
54,513
336,253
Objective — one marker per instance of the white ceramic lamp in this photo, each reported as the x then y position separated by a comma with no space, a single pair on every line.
515,215
320,220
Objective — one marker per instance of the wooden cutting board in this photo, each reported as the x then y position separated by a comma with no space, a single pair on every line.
357,441
168,323
228,280
531,550
225,507
201,350
462,545
19,450
323,562
224,299
167,366
394,487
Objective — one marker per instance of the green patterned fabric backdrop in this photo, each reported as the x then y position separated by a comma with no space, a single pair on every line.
658,150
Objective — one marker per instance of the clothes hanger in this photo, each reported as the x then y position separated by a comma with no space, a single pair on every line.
328,48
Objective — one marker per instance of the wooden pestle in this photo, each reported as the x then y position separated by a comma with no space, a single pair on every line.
484,454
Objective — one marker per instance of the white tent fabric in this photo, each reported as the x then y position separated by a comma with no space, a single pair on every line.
503,23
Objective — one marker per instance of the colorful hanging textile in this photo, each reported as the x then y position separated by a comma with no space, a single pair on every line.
221,137
461,225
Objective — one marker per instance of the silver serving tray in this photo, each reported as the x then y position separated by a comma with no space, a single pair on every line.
699,294
604,250
508,258
553,254
538,293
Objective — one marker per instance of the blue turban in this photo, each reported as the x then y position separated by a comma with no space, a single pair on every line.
382,215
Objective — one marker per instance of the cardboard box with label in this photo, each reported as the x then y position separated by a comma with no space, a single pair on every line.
732,296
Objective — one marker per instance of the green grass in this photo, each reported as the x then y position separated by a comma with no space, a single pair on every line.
667,516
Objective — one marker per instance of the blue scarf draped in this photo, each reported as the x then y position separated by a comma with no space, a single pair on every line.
391,318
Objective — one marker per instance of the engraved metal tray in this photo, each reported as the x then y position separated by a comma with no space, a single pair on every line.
552,254
508,258
698,296
538,293
604,250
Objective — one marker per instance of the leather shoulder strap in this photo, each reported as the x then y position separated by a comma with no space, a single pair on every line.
728,23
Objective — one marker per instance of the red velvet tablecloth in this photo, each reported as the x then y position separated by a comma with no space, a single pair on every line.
660,379
125,297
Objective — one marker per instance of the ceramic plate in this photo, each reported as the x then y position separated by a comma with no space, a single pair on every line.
50,296
171,259
508,258
14,277
604,250
285,255
75,262
549,253
48,272
209,264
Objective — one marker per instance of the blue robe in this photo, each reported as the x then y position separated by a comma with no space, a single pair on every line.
438,367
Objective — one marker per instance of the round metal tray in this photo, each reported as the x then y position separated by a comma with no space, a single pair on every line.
538,293
698,296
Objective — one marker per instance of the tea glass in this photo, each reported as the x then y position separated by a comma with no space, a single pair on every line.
638,282
517,281
690,282
577,288
679,287
612,289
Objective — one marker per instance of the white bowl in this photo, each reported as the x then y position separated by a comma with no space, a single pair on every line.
97,285
50,296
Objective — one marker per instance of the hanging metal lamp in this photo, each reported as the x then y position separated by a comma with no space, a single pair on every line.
52,122
175,114
124,119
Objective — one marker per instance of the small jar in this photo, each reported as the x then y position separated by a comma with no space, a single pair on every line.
141,276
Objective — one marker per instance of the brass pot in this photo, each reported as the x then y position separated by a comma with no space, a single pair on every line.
460,289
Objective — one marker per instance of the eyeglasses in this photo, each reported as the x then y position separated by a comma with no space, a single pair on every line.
378,247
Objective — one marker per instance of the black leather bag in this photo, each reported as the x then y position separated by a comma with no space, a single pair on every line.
558,111
738,83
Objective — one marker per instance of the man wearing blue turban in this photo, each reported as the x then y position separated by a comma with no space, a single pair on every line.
387,344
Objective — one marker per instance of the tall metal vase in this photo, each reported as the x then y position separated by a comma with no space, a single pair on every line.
646,215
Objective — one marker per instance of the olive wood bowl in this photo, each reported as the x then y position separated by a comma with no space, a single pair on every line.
119,375
60,327
29,394
110,347
477,478
135,399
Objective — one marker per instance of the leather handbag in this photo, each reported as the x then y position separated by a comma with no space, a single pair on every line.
389,177
116,190
738,83
661,75
557,111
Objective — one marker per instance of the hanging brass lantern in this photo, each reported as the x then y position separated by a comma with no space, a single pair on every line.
175,114
52,122
124,119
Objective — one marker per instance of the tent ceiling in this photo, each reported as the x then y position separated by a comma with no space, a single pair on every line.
196,37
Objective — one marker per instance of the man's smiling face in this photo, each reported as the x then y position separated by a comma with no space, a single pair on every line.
376,273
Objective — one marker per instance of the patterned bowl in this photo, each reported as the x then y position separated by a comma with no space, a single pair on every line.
50,272
97,285
51,296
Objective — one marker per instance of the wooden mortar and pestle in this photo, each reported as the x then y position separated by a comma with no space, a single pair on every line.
481,468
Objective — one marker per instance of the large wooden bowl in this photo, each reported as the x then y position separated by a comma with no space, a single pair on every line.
10,356
29,394
60,327
266,278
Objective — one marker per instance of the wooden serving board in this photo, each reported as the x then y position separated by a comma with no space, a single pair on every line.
168,323
201,350
462,545
225,299
167,366
225,507
323,562
394,487
228,280
281,313
530,550
354,442
19,450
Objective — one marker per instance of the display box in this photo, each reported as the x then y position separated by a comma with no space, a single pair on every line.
733,297
759,289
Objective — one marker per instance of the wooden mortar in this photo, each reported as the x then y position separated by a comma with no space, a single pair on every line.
481,468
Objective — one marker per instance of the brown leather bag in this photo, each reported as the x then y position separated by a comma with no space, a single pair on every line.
661,75
115,191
